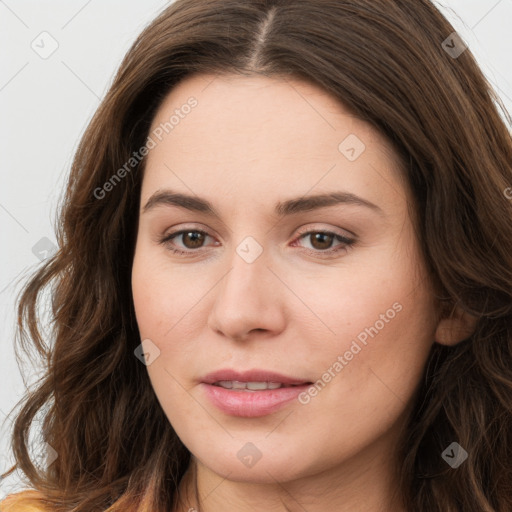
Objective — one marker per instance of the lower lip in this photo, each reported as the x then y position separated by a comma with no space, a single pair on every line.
250,404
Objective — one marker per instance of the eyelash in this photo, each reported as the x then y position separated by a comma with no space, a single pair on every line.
345,246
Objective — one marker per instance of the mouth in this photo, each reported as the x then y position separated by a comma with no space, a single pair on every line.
252,393
237,385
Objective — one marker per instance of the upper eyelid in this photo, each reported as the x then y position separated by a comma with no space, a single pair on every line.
346,234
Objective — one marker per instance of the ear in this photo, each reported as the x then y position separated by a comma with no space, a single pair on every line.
457,327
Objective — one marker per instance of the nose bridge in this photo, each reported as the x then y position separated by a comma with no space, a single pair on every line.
248,272
244,300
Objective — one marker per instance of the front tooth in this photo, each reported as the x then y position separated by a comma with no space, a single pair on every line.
252,386
257,386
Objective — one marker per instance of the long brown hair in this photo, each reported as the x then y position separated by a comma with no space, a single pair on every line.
386,61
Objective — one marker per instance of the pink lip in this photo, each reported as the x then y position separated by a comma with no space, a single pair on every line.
250,404
251,376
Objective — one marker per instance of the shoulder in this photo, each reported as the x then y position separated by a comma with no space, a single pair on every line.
26,501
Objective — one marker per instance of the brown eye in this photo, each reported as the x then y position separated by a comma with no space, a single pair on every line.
188,239
192,239
321,241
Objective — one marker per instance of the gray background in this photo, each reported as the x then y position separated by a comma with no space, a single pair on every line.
47,100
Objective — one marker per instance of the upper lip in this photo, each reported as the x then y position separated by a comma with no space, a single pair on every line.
251,376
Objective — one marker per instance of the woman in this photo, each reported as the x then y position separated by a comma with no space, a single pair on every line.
285,272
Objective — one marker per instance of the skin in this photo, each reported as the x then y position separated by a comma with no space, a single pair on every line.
248,144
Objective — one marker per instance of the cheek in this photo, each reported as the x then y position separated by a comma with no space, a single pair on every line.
370,371
387,307
149,300
161,295
381,324
160,301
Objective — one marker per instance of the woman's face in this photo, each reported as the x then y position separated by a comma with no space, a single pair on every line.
291,333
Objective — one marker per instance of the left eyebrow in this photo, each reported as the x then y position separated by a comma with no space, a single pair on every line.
282,209
309,203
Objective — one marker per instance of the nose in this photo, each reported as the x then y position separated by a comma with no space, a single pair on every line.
248,300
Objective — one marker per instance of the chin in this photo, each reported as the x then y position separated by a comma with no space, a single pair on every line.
260,462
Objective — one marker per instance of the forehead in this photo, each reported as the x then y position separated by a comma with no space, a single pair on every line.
257,133
304,114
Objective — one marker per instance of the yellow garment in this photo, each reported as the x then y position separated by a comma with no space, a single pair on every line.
22,502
